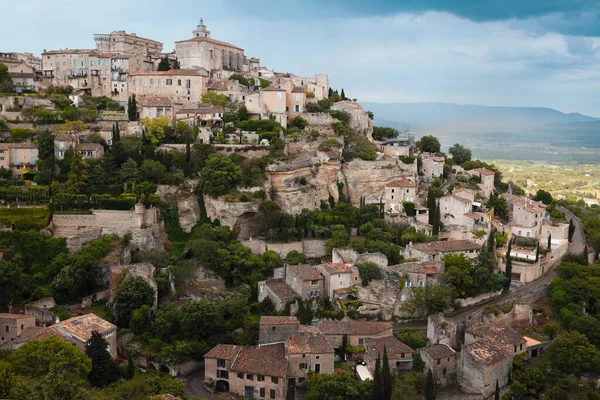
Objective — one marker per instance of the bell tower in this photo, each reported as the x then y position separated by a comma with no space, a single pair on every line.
200,30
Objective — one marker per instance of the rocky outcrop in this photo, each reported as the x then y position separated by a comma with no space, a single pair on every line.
384,292
187,202
228,213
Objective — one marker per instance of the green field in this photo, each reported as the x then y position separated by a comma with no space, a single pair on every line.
35,218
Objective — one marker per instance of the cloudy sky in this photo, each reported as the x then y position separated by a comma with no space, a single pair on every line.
491,52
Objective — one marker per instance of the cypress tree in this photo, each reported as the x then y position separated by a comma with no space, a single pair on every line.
129,108
130,367
176,64
537,253
387,376
491,242
164,64
343,95
497,394
104,370
429,391
585,258
436,221
431,205
508,272
571,229
377,393
134,108
330,93
344,347
549,241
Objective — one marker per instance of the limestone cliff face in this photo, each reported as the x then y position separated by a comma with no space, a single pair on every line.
383,292
187,202
368,178
228,213
304,183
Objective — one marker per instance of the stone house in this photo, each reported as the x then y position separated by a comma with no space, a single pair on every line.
398,191
432,166
279,292
305,280
337,278
437,250
308,352
441,360
231,88
248,371
482,364
359,119
90,150
19,158
509,337
203,52
527,216
13,325
202,113
453,209
64,142
465,193
357,331
184,85
41,310
296,101
418,274
399,354
154,106
487,180
267,103
274,329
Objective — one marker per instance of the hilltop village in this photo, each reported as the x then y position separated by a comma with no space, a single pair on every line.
196,217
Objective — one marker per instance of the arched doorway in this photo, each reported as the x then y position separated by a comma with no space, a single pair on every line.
222,386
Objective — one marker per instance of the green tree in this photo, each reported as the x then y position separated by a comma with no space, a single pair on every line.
176,64
46,160
6,83
219,175
342,386
339,238
295,258
386,375
497,393
343,95
572,353
571,229
131,295
155,128
215,99
378,389
104,370
299,123
368,271
431,204
129,171
484,277
132,108
39,357
429,391
152,170
429,144
78,175
164,64
549,244
6,379
460,154
499,205
418,364
459,273
543,196
130,367
436,221
508,269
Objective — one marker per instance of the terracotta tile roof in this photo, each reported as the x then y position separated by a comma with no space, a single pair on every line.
281,289
463,189
483,171
306,272
427,268
433,248
529,205
81,327
487,351
68,51
66,137
201,109
264,360
337,268
305,343
172,72
438,351
209,40
89,147
507,336
153,101
278,320
223,352
474,215
434,157
5,146
298,89
273,89
395,348
16,316
400,183
354,327
461,199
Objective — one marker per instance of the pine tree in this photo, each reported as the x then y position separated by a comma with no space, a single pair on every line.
377,393
330,93
497,394
176,64
436,221
104,370
429,391
508,271
431,205
343,95
387,376
133,108
164,64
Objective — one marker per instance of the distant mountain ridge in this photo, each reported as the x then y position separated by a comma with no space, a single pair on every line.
449,118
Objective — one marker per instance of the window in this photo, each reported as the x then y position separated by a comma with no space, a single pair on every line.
221,363
178,82
401,355
279,95
297,108
361,341
6,328
317,356
240,375
221,373
444,372
151,82
272,393
403,297
15,151
109,334
274,379
250,377
273,329
188,84
408,284
297,97
313,282
169,82
260,378
262,392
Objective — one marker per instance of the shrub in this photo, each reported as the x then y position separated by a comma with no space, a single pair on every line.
368,271
329,145
407,159
526,242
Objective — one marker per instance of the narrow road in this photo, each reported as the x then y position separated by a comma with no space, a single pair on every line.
193,387
448,182
577,244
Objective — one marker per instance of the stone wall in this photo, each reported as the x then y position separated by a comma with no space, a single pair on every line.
469,301
311,248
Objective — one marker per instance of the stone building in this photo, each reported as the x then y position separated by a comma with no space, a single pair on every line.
120,42
19,158
509,337
399,354
453,209
487,180
201,114
417,274
185,85
359,119
397,192
279,292
441,360
482,364
296,102
235,91
437,250
337,278
202,51
90,150
154,106
357,331
64,142
274,329
42,310
305,280
527,216
432,167
13,325
308,352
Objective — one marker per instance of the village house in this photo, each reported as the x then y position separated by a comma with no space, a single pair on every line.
154,106
185,85
13,325
122,42
248,371
417,274
527,216
317,85
296,101
64,142
482,364
359,119
203,52
337,279
42,310
274,329
397,192
202,114
306,280
465,193
399,354
432,166
357,331
437,250
308,352
20,158
487,180
279,292
453,209
235,91
441,360
507,336
90,150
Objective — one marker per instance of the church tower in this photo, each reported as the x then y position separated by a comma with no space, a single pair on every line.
200,30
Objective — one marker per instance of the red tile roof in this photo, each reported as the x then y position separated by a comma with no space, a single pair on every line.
153,100
306,272
483,171
354,327
223,352
400,183
395,348
264,360
337,268
487,351
507,336
439,351
307,343
278,320
282,290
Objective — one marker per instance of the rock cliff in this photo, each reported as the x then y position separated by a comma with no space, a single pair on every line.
187,202
228,213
